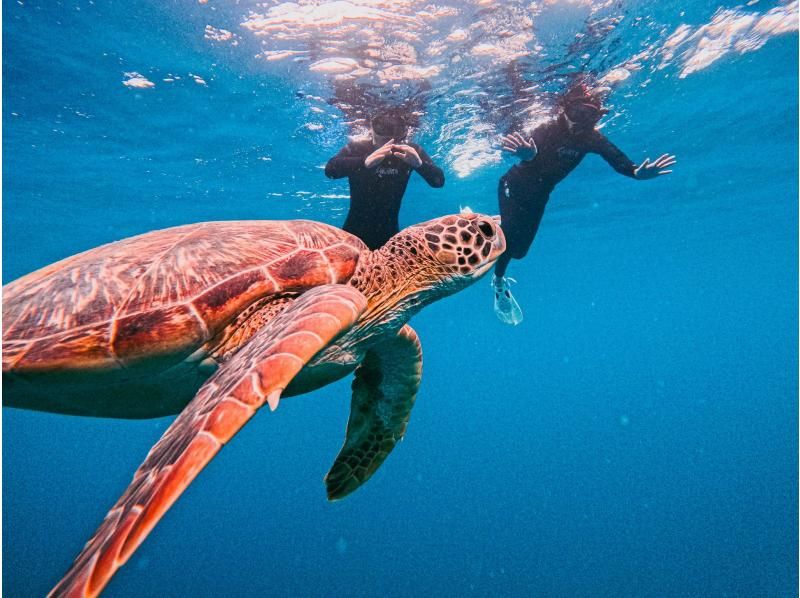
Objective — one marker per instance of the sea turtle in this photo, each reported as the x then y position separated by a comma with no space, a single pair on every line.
214,320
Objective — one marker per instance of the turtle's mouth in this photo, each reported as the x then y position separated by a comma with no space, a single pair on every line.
483,269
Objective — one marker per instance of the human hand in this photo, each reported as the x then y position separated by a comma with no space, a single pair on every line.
517,144
408,155
650,170
379,155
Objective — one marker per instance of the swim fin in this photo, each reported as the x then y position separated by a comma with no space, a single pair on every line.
506,307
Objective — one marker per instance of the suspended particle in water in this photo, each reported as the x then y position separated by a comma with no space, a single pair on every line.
341,545
143,563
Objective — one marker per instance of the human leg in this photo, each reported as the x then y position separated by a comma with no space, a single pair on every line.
520,223
501,265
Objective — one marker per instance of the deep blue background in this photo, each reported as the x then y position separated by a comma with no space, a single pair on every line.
636,436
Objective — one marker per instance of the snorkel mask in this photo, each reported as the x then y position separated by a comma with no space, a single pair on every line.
583,108
584,114
389,126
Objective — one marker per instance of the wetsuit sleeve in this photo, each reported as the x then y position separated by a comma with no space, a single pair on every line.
345,163
432,174
614,156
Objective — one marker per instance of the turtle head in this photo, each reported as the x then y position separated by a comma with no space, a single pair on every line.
453,251
428,261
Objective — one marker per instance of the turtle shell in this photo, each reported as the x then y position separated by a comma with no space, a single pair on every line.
160,296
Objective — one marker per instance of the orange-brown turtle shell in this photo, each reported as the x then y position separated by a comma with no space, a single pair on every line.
162,294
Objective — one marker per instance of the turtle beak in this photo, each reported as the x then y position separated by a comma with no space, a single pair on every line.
499,241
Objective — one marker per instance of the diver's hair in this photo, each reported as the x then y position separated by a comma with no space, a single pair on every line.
390,125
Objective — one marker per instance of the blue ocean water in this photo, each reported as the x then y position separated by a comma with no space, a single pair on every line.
635,436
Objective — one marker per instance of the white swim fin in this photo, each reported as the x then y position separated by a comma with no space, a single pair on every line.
506,307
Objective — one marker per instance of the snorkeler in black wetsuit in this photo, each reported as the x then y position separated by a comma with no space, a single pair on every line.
379,169
547,156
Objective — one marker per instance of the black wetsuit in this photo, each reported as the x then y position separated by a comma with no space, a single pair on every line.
524,190
375,193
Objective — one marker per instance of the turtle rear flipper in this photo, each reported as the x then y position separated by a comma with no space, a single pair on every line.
384,391
257,374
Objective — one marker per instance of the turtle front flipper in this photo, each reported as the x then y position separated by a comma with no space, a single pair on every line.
384,390
257,374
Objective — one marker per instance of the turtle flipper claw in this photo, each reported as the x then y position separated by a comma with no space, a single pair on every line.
506,307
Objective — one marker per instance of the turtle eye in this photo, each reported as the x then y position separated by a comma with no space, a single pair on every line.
486,229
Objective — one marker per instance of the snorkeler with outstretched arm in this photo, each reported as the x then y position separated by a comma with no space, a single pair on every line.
379,169
548,155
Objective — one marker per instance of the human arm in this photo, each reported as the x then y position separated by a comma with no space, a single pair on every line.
345,163
615,157
419,160
379,155
524,149
624,165
650,170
